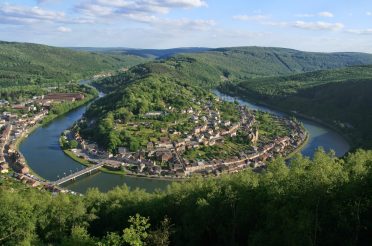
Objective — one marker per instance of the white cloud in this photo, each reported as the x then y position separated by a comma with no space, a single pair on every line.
124,7
276,23
182,24
47,1
262,19
64,29
367,31
369,13
304,15
250,17
184,3
12,14
319,25
326,14
142,11
321,14
19,14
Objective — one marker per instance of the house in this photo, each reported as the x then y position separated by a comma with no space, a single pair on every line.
153,114
227,123
122,150
150,146
180,173
4,168
64,97
24,170
164,156
32,182
21,107
190,111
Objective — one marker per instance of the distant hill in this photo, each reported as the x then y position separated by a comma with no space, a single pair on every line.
27,64
341,97
213,67
249,62
146,53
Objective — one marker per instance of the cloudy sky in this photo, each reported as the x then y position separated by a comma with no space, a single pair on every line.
316,25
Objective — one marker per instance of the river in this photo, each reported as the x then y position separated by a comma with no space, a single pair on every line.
45,157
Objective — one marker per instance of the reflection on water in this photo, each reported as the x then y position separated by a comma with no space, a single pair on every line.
105,182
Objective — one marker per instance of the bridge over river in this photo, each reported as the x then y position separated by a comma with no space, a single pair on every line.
82,172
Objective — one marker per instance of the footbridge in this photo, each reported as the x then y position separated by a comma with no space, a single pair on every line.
82,172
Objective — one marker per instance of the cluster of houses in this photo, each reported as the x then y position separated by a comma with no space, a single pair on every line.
14,126
45,102
209,130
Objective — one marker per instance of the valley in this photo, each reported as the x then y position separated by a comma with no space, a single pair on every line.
188,118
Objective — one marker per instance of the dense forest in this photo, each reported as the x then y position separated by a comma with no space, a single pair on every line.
249,62
324,201
34,64
340,97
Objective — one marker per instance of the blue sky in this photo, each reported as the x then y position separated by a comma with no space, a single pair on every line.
316,25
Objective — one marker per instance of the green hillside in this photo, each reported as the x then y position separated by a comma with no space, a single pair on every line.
28,64
247,62
210,68
180,68
341,97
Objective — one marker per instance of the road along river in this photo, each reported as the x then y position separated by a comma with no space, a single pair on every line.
45,157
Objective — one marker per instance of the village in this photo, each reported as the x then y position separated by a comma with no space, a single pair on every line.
16,125
165,158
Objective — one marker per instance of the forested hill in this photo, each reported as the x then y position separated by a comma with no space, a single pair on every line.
210,68
27,64
341,97
248,62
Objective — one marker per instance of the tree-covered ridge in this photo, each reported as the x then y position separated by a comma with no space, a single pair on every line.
30,64
284,85
132,101
323,201
180,68
340,97
249,62
210,68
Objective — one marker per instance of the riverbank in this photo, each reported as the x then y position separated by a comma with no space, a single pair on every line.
87,163
257,102
299,148
21,139
43,123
